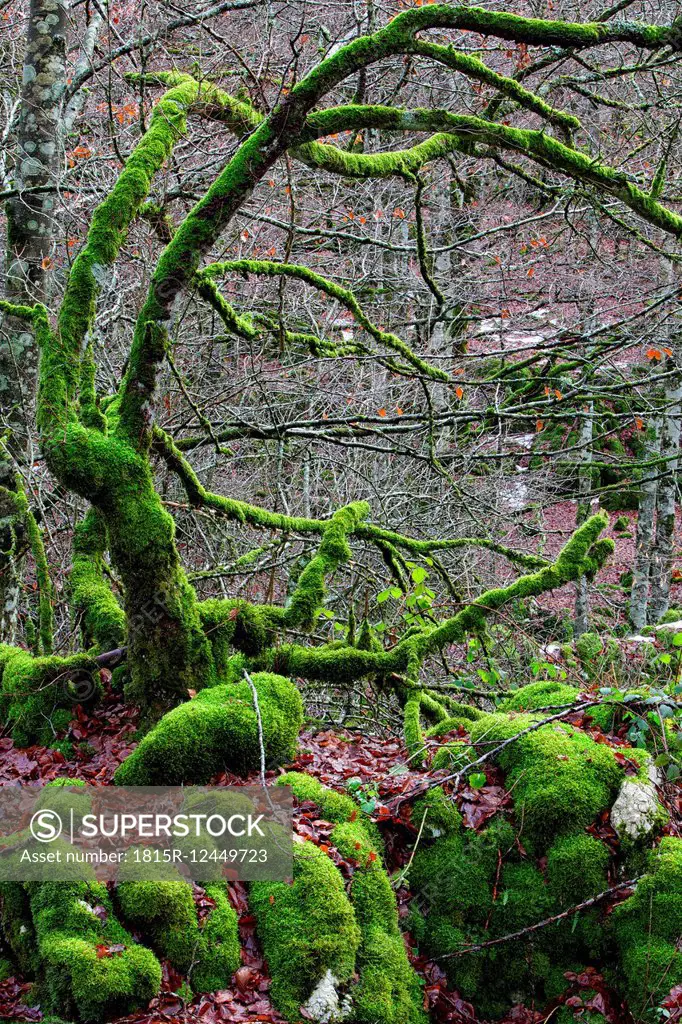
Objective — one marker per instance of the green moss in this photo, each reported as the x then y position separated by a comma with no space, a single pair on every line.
524,899
388,989
74,977
647,928
560,778
460,716
438,812
454,756
576,869
335,807
165,911
101,616
672,615
307,928
450,877
216,731
548,693
38,695
412,730
17,925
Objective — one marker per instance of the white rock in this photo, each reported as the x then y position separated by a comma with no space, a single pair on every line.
636,808
324,1005
676,627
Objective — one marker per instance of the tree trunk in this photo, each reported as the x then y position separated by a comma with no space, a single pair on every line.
639,597
29,248
662,557
582,605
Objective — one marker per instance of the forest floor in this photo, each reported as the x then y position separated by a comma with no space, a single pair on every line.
387,783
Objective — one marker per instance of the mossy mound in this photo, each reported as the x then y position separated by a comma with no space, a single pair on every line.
217,731
165,912
38,695
543,694
307,928
560,778
472,885
87,965
647,928
388,989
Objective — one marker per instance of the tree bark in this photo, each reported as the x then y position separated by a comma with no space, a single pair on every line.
29,248
639,597
582,599
662,557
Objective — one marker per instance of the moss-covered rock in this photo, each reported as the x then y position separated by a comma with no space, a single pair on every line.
217,731
647,929
165,912
307,928
388,988
87,965
560,778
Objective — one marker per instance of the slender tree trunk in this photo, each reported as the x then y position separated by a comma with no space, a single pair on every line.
582,599
639,597
29,251
662,557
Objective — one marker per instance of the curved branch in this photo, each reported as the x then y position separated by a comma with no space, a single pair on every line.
242,512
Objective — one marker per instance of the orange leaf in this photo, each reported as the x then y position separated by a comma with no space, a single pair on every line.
531,271
382,412
539,425
558,394
639,423
46,263
400,214
459,391
653,353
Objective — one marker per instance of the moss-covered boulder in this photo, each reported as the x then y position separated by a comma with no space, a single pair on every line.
647,930
87,965
388,988
166,914
307,928
217,731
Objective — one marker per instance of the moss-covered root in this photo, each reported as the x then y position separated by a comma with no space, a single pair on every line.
217,731
87,966
388,989
307,929
166,913
648,927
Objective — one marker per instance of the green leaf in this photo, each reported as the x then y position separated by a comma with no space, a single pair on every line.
677,640
477,780
419,574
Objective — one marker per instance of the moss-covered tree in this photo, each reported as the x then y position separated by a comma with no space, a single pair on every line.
101,447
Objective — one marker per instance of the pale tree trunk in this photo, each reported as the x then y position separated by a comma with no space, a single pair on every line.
29,251
582,598
639,596
662,556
